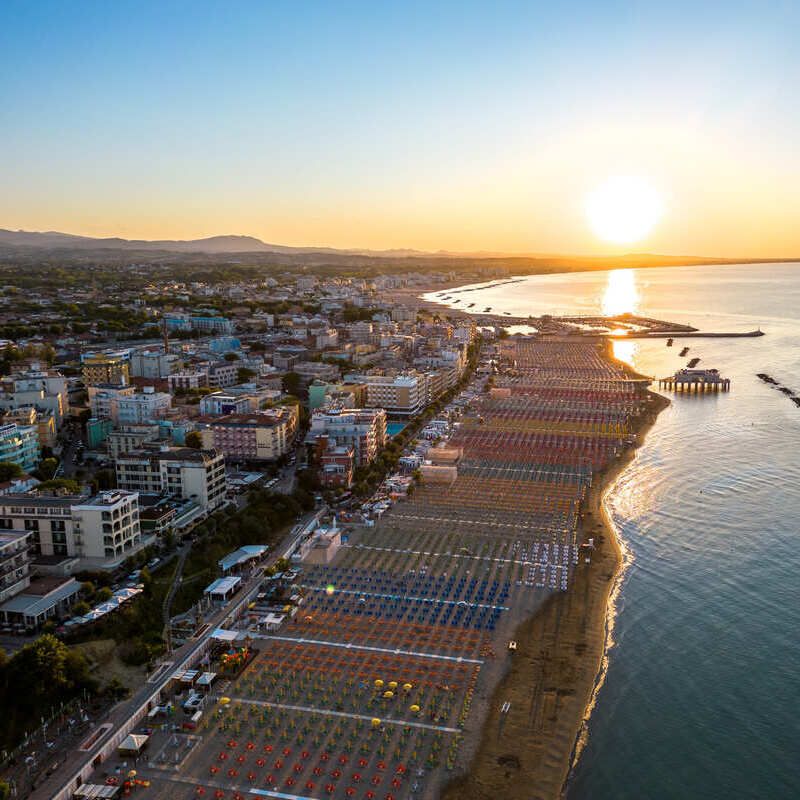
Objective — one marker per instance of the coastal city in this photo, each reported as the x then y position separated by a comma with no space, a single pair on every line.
399,401
288,529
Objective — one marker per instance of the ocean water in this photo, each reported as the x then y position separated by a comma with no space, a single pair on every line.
701,694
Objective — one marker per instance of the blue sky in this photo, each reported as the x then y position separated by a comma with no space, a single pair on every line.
448,125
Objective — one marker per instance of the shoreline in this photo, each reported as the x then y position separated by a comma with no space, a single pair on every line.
560,666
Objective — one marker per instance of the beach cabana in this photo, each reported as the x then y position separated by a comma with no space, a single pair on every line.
223,588
133,744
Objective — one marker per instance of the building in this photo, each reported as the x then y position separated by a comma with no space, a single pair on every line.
196,475
43,421
363,429
224,403
186,322
108,368
107,526
188,379
104,399
310,370
44,390
14,562
223,375
19,444
130,437
255,436
336,463
155,364
403,395
104,528
139,408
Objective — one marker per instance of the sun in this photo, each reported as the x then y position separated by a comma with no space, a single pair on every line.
623,209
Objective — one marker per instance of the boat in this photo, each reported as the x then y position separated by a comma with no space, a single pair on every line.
487,309
684,351
470,305
669,342
694,362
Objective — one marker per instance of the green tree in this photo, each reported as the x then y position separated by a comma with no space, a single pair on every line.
81,608
103,594
47,469
231,357
291,383
194,440
9,470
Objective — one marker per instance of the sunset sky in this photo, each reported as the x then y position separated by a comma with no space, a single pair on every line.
450,125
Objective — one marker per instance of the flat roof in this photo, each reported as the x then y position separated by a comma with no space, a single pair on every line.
222,585
31,605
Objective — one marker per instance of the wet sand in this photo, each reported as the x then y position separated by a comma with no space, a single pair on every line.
527,752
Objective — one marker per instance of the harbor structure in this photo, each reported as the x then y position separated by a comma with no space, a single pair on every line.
696,380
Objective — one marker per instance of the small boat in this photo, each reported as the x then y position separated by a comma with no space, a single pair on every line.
470,305
694,362
669,342
684,351
487,309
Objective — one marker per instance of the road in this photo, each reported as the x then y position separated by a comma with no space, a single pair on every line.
74,761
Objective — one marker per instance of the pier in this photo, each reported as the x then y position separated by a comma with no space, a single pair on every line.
696,380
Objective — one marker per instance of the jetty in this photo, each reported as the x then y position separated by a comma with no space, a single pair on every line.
696,380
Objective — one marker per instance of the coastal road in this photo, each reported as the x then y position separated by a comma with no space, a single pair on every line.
74,761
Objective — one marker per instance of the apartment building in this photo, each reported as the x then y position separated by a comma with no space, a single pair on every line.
188,379
196,475
363,429
104,399
44,390
108,368
14,562
205,324
130,437
42,420
107,525
155,364
102,528
20,445
401,395
146,406
256,436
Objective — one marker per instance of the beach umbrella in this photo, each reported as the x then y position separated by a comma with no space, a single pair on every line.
407,687
223,701
378,683
414,708
388,694
375,722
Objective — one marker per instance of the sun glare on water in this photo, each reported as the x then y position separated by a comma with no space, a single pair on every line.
623,209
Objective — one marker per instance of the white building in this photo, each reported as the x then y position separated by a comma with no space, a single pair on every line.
154,364
107,526
196,475
137,409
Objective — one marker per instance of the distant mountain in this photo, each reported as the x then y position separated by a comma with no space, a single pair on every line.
213,244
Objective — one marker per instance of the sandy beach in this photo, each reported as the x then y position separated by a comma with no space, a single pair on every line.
528,750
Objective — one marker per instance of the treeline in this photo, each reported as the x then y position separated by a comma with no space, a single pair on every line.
35,681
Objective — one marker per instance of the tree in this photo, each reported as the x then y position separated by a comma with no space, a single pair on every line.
194,440
243,374
106,479
103,594
231,357
291,383
81,608
9,470
46,469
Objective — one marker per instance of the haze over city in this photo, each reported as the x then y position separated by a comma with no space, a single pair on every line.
455,126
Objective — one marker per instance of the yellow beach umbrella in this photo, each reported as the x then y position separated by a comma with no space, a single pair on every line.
223,701
378,683
392,684
414,708
407,687
388,694
375,722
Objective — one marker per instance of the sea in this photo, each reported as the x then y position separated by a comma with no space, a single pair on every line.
701,694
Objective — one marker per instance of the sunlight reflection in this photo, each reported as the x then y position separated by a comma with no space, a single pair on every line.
621,295
625,350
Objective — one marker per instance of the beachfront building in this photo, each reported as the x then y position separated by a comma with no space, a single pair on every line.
403,395
363,429
19,444
253,436
196,475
